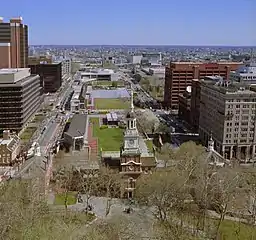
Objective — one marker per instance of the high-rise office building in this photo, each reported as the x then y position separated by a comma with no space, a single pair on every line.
19,98
227,113
13,44
50,75
179,75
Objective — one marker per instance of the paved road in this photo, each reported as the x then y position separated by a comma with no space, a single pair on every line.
48,136
140,221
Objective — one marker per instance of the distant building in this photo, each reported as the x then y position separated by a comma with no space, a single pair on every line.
9,148
99,74
135,59
185,105
195,103
77,100
228,112
158,71
19,98
244,74
50,75
66,66
36,60
13,44
179,75
152,59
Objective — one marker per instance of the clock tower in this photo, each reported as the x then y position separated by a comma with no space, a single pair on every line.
130,153
131,135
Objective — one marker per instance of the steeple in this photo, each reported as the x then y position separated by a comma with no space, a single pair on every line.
211,144
132,105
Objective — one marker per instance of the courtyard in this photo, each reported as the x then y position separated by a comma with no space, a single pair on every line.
109,139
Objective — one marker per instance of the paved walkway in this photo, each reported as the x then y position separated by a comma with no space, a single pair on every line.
51,197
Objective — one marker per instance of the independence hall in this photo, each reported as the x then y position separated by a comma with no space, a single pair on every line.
19,98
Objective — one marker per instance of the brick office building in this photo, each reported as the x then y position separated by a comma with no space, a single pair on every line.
13,43
179,75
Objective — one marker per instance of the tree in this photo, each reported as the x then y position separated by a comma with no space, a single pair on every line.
137,77
167,154
114,84
64,179
110,183
87,183
250,183
222,192
165,192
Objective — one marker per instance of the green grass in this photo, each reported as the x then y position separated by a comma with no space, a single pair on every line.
60,198
149,144
229,230
109,139
27,134
38,118
107,83
111,103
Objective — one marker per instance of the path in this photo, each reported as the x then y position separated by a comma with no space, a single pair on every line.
92,143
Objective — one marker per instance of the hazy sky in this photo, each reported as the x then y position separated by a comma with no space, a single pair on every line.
156,22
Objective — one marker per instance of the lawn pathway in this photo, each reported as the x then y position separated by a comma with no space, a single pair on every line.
92,142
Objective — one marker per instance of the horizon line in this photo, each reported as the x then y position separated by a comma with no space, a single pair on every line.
158,45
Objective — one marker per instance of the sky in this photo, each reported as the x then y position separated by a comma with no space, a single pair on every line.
136,22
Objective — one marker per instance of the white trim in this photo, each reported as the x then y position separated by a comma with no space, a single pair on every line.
127,163
5,44
15,24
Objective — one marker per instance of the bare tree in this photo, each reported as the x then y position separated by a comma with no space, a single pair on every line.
87,183
110,183
222,193
164,192
64,178
167,154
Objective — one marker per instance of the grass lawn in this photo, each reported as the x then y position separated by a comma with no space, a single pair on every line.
149,144
229,230
109,139
111,103
39,118
27,134
107,83
60,198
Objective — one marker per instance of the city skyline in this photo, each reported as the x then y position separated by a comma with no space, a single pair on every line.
137,23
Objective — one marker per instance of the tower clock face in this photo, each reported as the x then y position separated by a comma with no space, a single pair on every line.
131,168
131,143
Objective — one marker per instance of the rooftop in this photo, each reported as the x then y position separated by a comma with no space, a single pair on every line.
226,87
77,126
246,69
97,71
112,116
11,143
203,62
14,75
114,93
11,70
